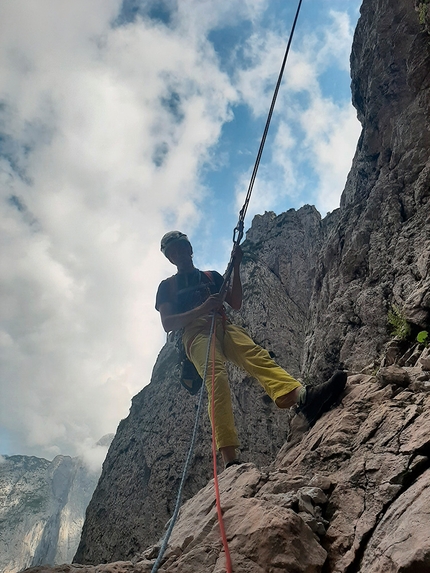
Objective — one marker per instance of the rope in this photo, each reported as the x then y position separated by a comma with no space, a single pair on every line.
238,230
214,451
237,237
187,462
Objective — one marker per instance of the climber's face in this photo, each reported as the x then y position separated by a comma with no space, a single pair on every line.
180,253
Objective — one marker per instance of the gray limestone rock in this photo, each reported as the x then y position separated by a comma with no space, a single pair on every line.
42,509
378,253
371,456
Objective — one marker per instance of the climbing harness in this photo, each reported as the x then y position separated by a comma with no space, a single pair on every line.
189,378
237,237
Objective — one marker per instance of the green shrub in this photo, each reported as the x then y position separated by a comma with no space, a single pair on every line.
421,8
399,325
423,337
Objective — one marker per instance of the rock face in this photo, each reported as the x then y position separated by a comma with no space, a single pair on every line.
378,253
317,294
350,494
281,258
42,509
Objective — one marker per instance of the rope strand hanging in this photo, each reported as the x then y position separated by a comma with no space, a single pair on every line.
237,237
238,230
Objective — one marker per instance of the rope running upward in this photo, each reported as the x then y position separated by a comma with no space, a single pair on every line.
238,230
237,237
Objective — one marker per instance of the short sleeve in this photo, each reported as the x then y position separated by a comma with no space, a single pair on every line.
163,294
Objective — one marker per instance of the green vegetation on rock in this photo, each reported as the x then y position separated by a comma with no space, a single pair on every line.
398,323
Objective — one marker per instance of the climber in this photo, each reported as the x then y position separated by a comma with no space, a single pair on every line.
186,301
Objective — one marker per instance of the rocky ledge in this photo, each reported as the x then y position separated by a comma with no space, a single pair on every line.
350,494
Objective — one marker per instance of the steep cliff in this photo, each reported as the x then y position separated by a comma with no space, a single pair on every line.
136,492
42,509
378,253
317,293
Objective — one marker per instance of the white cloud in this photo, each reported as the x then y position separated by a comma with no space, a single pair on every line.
332,132
314,134
107,129
265,193
337,42
264,51
92,454
201,16
274,184
105,132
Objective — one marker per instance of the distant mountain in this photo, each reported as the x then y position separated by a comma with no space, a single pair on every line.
42,509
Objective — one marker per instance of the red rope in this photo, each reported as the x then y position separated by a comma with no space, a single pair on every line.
214,452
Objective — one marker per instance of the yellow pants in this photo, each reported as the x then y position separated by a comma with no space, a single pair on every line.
234,345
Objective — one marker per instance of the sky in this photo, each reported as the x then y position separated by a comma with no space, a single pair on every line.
119,121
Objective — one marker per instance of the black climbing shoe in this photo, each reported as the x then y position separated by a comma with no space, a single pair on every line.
233,463
320,399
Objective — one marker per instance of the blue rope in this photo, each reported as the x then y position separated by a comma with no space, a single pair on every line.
187,461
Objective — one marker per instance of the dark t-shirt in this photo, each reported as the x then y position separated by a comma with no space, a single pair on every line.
185,291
